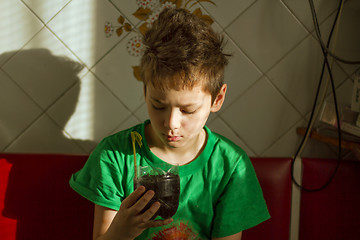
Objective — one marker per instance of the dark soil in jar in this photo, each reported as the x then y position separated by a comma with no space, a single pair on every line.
167,191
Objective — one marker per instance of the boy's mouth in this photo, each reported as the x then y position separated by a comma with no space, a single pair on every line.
173,138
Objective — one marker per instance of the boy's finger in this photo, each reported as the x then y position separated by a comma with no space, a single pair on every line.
133,197
158,223
142,202
148,214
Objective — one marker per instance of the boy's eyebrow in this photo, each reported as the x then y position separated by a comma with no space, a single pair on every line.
185,105
190,105
155,99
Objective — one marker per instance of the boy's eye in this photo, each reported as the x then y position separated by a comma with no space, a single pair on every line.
188,112
157,107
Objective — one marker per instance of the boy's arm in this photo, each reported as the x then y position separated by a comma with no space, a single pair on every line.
103,218
236,236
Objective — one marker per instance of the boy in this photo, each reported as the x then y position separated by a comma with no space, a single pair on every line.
182,70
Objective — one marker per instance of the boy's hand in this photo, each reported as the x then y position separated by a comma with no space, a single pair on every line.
130,222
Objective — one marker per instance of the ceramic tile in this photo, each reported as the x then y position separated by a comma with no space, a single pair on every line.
42,75
108,111
46,9
353,4
129,122
240,74
224,12
47,40
325,29
272,33
96,114
131,8
17,110
135,10
343,93
260,116
128,8
219,126
215,25
18,25
297,75
44,136
263,35
80,25
212,117
72,106
286,145
141,113
347,38
302,10
217,28
116,71
73,112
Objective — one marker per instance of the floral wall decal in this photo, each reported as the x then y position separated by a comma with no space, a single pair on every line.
147,12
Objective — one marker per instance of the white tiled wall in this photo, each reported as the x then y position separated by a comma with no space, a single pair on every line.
64,85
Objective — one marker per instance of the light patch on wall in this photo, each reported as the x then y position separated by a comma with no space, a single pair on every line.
76,25
80,125
46,9
17,25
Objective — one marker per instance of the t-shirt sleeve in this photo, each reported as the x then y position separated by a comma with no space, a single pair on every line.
99,179
242,205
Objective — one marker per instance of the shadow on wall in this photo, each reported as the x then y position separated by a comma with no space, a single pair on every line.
52,83
38,200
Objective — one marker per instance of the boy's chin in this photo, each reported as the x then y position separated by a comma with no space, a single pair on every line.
173,144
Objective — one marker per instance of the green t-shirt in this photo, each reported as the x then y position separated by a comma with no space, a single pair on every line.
219,192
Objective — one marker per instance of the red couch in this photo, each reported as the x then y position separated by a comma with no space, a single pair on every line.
36,201
333,213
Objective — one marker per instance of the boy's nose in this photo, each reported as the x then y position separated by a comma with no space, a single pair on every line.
173,119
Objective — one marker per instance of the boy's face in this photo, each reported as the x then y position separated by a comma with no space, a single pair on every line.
178,117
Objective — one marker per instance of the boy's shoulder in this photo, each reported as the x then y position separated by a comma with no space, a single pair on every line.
225,142
227,155
122,138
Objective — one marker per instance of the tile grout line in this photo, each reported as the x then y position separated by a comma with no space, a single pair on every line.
282,135
236,134
43,111
238,16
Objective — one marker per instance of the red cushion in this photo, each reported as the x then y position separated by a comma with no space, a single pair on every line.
333,213
274,175
36,201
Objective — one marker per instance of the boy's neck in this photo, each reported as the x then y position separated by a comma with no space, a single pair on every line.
180,156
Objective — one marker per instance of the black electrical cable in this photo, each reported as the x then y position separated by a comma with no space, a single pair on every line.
325,63
326,48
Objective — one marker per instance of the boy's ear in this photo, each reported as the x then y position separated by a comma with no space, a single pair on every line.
219,100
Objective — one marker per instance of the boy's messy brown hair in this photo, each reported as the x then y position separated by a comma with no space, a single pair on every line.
182,51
